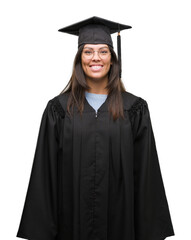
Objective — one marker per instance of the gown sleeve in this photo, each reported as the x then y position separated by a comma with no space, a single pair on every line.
152,216
39,216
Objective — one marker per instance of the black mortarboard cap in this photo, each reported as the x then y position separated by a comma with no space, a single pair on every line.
96,30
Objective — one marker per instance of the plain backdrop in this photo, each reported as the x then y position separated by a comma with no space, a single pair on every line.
36,63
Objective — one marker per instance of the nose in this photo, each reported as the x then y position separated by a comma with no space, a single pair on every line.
96,56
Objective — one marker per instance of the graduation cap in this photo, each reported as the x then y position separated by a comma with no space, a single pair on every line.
97,30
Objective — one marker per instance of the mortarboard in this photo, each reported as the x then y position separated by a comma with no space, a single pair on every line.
97,30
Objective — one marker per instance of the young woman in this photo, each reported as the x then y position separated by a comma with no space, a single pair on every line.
96,174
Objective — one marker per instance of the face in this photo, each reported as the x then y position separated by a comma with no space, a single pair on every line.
96,64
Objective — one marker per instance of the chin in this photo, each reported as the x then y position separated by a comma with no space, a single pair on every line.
97,77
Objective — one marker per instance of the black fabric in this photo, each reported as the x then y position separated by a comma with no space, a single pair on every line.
94,30
119,54
96,34
96,179
113,26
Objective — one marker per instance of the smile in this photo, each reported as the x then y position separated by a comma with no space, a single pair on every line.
96,67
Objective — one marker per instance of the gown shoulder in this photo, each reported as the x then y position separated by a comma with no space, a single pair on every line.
133,103
59,104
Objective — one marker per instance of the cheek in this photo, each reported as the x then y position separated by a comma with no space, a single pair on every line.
84,64
108,64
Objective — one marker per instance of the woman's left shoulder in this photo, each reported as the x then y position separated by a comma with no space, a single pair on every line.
132,101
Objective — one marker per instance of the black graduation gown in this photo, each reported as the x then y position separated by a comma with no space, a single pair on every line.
96,179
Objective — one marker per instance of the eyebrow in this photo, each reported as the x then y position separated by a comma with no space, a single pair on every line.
93,49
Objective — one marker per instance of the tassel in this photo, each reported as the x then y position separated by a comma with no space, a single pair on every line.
119,52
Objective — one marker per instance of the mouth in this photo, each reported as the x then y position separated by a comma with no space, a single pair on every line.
96,67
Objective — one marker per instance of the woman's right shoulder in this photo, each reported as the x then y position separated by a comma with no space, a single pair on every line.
59,103
62,98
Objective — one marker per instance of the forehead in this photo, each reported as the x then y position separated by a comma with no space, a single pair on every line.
95,46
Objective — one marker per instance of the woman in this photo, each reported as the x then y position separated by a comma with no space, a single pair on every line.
96,174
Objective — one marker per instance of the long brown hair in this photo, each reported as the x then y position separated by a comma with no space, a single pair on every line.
77,86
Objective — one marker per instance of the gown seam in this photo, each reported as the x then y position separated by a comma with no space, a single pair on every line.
138,105
94,183
58,107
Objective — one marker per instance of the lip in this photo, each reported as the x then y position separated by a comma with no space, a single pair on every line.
96,67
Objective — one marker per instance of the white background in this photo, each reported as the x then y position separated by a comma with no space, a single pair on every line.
36,63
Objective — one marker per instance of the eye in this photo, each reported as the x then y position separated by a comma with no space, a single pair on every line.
104,51
87,52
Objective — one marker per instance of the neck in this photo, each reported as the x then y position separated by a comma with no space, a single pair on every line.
97,85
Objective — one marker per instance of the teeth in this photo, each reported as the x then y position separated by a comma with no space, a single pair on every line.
96,67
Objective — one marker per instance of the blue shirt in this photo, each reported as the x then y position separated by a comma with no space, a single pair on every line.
95,99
